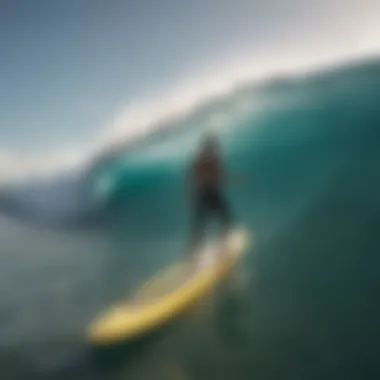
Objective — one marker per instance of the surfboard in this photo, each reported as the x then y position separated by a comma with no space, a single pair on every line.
168,294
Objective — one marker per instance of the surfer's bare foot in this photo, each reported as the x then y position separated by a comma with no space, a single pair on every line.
191,264
223,251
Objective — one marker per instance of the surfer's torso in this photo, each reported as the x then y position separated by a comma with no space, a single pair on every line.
207,173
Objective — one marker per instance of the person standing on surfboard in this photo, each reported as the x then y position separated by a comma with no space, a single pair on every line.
206,177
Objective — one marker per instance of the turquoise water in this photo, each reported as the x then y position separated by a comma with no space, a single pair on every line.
309,153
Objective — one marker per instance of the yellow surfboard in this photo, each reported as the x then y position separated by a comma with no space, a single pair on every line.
166,295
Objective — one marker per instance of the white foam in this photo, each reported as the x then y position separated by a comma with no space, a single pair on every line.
143,116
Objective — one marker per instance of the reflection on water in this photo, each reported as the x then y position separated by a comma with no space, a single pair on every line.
232,312
192,346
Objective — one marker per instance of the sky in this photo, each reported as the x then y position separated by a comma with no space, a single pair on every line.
76,73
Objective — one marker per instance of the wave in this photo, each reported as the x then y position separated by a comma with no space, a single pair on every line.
86,195
167,108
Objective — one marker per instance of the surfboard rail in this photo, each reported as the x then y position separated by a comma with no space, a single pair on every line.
147,310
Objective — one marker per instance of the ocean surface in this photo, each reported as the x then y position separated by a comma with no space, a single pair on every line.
302,305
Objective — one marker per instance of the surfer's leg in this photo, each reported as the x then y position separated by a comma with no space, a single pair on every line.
196,228
223,211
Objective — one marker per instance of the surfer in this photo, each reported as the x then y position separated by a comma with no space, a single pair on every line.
205,182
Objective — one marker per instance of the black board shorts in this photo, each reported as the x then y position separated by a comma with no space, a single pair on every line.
210,202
